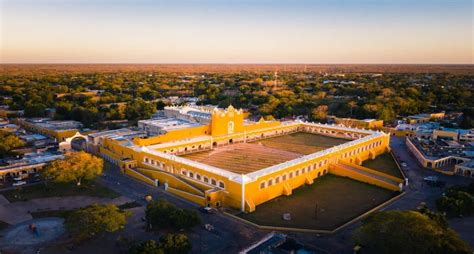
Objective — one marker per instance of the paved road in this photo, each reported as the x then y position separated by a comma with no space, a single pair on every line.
230,236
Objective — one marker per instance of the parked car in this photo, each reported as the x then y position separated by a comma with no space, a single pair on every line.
434,181
19,183
21,177
208,209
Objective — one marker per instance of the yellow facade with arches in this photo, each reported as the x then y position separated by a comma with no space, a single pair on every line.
159,160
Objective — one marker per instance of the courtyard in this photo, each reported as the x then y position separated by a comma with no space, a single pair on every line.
245,158
328,203
384,163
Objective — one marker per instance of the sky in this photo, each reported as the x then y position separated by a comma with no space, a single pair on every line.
229,31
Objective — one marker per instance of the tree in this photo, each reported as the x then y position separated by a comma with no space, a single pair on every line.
87,222
163,214
8,142
407,232
139,109
456,202
35,110
175,243
352,105
146,247
320,113
75,167
170,243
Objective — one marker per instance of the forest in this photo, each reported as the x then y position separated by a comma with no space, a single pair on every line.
107,94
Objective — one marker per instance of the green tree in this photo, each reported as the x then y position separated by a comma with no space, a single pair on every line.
175,243
407,232
320,113
93,220
169,243
139,109
163,214
8,142
456,202
75,167
35,110
146,247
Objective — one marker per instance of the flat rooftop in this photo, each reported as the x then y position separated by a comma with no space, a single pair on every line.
49,124
169,123
245,158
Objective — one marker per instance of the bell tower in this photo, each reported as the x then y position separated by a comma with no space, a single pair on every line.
228,121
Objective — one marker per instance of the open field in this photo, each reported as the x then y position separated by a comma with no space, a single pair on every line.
249,157
337,199
58,190
302,143
384,163
242,158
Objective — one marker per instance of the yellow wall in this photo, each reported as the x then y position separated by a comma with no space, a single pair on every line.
221,120
173,135
171,170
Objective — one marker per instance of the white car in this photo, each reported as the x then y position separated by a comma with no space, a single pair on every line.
19,183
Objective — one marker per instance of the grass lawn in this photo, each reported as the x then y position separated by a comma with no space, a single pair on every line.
384,163
58,190
338,200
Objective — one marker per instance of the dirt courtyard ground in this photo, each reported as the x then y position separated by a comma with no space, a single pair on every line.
326,204
245,158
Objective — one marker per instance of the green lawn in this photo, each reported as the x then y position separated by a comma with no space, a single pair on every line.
384,163
338,200
58,190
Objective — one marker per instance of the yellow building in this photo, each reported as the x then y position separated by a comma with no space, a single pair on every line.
359,123
235,163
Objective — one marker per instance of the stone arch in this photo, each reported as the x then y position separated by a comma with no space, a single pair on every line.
65,146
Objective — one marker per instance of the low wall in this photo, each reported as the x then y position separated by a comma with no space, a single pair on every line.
188,196
341,171
139,176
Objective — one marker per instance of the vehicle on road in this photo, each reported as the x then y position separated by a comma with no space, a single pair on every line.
434,181
208,209
19,183
20,177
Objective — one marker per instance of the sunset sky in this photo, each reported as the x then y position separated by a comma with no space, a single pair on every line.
250,31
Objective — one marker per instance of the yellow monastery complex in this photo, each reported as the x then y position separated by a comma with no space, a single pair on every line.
216,157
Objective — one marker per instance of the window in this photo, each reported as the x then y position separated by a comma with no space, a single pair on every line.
221,184
206,179
291,174
198,177
146,160
262,185
270,182
283,178
191,174
297,172
213,181
183,172
230,127
277,179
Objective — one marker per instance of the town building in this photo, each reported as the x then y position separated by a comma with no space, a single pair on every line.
357,123
29,164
